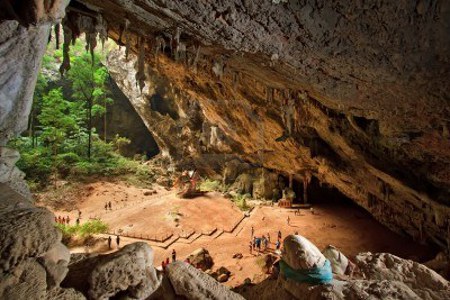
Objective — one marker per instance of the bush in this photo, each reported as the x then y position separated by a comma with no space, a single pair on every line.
84,230
209,185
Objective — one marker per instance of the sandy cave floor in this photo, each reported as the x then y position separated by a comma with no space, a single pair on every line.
346,226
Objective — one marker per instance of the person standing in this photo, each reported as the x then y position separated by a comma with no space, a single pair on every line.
118,241
253,231
268,237
251,247
78,221
277,245
288,220
109,205
68,220
174,255
106,206
279,234
109,242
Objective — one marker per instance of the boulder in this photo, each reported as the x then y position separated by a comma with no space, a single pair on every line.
64,294
264,185
223,277
26,281
243,184
26,232
300,253
265,262
385,266
128,271
55,261
193,284
201,258
339,262
232,170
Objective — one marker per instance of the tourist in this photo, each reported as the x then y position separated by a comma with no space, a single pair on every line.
109,205
63,221
109,242
163,266
118,241
268,237
106,206
167,261
266,243
277,245
279,234
174,255
59,220
253,231
78,221
251,247
288,220
79,214
263,240
258,244
56,219
68,220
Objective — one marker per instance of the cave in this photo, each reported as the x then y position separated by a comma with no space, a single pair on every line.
218,98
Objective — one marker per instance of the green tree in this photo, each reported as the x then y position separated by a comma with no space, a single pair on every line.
41,86
88,84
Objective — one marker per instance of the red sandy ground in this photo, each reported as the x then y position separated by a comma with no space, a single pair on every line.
345,226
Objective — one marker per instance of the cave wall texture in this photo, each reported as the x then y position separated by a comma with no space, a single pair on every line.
356,93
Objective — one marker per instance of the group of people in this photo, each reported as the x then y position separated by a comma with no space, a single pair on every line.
63,220
110,241
262,243
66,220
108,205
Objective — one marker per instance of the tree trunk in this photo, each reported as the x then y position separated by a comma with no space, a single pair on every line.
89,129
104,124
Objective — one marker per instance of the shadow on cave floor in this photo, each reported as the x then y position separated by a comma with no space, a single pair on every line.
341,222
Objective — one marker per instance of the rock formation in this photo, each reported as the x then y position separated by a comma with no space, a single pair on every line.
355,94
127,272
299,95
191,283
381,276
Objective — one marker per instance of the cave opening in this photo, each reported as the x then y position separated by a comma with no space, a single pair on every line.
144,201
318,193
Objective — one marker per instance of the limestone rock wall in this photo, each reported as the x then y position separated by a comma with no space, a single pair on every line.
355,94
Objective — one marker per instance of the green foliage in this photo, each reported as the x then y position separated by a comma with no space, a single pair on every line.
241,201
61,142
210,185
83,230
120,142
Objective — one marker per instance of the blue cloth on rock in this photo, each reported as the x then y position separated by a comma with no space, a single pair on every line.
316,275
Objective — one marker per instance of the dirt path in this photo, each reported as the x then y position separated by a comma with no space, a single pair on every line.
212,220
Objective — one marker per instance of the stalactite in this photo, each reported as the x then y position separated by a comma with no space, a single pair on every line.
57,33
101,28
197,56
140,74
68,37
176,44
127,38
306,181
